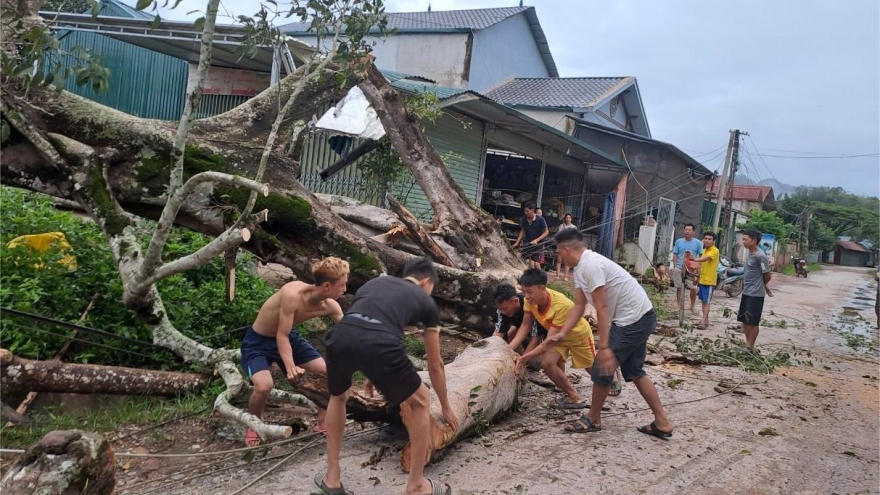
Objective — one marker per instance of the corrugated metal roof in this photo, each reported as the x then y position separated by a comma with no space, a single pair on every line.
757,194
557,92
852,246
393,76
118,9
442,92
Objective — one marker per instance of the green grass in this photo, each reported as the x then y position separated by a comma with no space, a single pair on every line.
812,267
561,288
415,347
140,411
658,300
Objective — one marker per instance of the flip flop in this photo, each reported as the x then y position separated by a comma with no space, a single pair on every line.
251,439
563,404
319,429
616,387
325,490
582,425
652,430
437,488
702,326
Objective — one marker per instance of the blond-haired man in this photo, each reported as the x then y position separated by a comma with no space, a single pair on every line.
272,338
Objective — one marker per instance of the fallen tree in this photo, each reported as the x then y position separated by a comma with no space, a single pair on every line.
481,384
18,374
210,175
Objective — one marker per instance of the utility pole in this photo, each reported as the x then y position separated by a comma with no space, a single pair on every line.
731,182
807,233
723,180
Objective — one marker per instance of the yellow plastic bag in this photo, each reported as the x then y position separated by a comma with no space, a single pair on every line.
42,242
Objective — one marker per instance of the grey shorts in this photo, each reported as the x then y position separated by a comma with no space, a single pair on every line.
630,345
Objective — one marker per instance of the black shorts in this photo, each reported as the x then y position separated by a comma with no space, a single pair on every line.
750,309
630,346
377,352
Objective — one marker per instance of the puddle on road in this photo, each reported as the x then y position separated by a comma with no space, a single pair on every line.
858,318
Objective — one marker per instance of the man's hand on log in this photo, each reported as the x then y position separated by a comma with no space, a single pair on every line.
451,418
520,365
294,372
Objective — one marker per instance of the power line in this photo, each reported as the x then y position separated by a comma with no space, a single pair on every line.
794,151
829,157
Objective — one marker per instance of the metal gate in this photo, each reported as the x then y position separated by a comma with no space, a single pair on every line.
665,216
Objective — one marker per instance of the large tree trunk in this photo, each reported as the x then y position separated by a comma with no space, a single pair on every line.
54,376
300,227
481,384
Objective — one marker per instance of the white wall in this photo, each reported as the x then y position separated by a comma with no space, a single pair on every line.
437,56
553,118
505,50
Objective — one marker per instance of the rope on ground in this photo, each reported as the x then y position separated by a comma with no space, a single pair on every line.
276,465
73,326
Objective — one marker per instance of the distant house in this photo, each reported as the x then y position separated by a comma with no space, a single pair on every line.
473,49
849,253
612,102
744,200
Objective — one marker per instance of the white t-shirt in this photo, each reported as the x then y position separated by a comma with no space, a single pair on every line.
627,300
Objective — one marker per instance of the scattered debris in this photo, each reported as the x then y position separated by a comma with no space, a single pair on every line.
375,458
768,432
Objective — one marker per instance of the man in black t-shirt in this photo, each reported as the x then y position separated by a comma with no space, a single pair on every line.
509,317
370,339
533,229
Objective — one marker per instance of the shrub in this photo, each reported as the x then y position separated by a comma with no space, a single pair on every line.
195,300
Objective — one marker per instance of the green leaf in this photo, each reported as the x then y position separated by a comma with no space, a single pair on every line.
5,131
143,4
156,21
199,23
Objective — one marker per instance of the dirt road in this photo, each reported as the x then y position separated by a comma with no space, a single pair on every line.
809,428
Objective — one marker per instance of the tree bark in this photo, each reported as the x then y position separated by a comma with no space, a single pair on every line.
418,233
54,376
481,384
63,463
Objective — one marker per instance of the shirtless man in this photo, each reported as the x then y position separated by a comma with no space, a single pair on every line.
272,338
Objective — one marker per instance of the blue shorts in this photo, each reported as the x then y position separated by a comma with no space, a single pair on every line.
705,293
258,352
629,345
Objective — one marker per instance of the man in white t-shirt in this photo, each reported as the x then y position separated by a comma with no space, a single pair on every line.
625,318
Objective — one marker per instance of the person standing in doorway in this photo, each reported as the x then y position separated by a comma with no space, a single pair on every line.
686,244
566,224
756,280
533,230
708,275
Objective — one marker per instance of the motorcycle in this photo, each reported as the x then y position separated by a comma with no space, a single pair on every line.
730,277
800,267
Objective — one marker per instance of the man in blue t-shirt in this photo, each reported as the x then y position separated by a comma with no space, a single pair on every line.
682,246
533,230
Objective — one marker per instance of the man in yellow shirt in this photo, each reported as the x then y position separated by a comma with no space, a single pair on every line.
708,275
550,309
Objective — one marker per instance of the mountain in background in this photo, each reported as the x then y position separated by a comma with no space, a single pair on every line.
779,188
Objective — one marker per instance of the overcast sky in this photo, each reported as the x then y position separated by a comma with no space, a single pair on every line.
802,77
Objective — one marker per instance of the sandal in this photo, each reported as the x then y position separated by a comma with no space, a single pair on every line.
616,387
320,429
437,488
562,403
325,490
251,439
702,326
582,425
652,430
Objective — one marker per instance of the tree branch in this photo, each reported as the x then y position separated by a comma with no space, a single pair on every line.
311,74
193,97
33,135
232,238
234,386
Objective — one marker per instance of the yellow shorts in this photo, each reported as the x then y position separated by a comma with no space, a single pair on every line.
580,347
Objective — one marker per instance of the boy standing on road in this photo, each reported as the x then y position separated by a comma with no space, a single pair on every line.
272,338
682,246
533,229
756,280
551,309
370,339
708,275
626,319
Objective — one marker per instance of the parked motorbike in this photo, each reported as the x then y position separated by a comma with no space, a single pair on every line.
730,277
800,267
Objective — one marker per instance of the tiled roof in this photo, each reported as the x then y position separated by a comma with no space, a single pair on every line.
475,19
557,92
852,246
758,194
